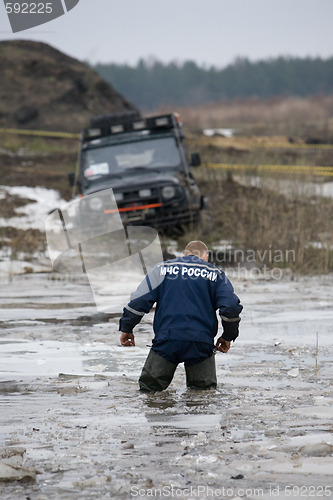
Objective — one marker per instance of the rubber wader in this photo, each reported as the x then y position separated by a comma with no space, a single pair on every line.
157,373
202,375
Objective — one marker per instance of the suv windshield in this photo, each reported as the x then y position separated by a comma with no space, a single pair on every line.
117,158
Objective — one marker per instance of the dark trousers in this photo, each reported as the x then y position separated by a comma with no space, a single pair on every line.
157,372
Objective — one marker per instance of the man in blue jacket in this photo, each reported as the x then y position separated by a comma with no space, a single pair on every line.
187,291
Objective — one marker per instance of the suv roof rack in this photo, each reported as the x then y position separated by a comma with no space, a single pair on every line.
119,123
113,118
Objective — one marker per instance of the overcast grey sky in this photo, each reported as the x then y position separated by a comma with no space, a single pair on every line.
207,31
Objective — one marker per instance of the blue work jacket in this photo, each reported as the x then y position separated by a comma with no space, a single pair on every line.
187,291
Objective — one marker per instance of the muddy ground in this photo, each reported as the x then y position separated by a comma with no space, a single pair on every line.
75,426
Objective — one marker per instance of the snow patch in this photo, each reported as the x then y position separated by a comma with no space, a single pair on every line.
34,214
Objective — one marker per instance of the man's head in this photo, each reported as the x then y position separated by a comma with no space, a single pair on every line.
197,248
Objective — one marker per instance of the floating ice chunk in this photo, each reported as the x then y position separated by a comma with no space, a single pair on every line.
206,459
13,456
93,385
92,482
315,411
11,466
96,368
294,372
198,440
322,449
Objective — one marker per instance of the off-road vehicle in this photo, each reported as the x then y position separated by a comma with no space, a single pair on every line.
146,163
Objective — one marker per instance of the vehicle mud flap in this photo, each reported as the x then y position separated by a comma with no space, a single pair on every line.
202,375
157,373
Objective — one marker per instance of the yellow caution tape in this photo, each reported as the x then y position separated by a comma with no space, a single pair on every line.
292,145
205,141
290,169
40,133
238,144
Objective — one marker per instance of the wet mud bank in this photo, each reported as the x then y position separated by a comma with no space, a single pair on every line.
75,426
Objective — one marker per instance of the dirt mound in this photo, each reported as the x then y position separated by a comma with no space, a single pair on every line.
42,88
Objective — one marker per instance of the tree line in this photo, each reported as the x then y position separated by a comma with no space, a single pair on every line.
151,83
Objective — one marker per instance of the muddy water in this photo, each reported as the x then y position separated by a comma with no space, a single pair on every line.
74,425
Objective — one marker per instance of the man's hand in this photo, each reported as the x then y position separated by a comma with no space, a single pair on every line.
222,345
127,339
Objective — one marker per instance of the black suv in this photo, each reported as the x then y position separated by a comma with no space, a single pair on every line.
145,162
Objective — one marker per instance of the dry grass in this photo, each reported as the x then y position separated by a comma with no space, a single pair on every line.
264,218
292,116
20,241
286,231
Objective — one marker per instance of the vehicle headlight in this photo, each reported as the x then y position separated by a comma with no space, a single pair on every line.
95,203
168,192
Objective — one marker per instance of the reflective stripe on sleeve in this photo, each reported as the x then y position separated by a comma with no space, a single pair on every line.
138,313
230,320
